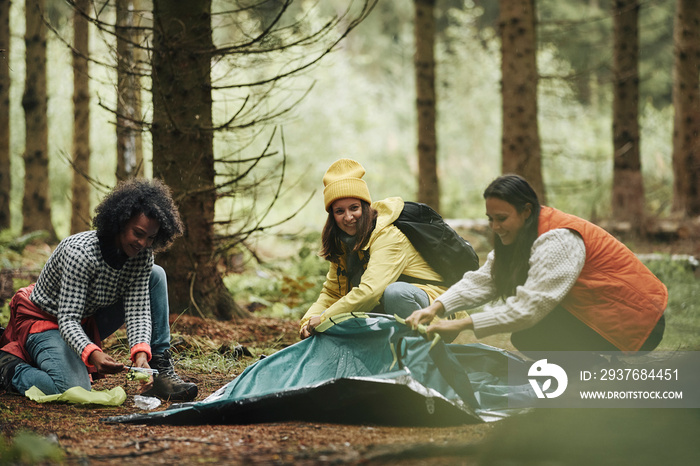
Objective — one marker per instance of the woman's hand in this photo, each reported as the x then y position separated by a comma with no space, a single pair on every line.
449,329
425,316
104,363
308,329
141,360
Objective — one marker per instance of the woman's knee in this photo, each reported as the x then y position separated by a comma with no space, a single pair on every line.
401,291
656,335
67,370
58,366
403,298
395,291
158,276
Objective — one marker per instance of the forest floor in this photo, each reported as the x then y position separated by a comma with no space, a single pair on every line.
552,437
86,440
546,437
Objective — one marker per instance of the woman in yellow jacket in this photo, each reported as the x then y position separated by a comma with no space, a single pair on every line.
367,254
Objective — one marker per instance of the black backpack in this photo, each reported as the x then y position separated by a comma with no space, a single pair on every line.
439,245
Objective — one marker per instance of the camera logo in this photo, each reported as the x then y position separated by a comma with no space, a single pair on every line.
541,369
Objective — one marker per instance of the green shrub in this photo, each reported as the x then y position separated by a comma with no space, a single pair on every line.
29,448
285,288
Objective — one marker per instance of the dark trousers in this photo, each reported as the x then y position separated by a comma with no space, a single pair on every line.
561,331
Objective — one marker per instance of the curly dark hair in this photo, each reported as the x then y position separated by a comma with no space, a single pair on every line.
139,196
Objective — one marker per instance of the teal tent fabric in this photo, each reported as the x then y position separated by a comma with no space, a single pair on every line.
365,369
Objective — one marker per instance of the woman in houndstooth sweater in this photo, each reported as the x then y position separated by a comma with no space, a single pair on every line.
93,283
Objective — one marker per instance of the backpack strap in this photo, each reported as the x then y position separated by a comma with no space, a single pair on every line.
420,281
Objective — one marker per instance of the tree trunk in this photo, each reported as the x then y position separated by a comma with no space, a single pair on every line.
5,177
424,63
183,153
129,58
80,215
520,144
686,103
36,206
628,188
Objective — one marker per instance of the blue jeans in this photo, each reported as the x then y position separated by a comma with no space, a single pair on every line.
403,298
57,367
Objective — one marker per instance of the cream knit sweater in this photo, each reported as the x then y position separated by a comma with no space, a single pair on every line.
556,260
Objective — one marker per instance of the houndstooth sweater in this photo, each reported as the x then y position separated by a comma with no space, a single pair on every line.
76,282
556,260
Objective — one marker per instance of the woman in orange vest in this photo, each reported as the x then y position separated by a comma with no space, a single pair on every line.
556,281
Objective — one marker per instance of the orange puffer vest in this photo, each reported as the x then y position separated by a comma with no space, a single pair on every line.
615,295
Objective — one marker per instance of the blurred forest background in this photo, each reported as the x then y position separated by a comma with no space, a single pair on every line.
363,98
295,85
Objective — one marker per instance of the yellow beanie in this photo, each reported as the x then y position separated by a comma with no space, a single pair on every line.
344,179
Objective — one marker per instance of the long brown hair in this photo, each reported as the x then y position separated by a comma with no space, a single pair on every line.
512,263
332,246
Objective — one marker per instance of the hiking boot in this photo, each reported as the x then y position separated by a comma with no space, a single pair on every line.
8,363
167,385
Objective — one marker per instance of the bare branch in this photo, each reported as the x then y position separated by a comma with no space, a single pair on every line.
367,8
243,234
95,183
